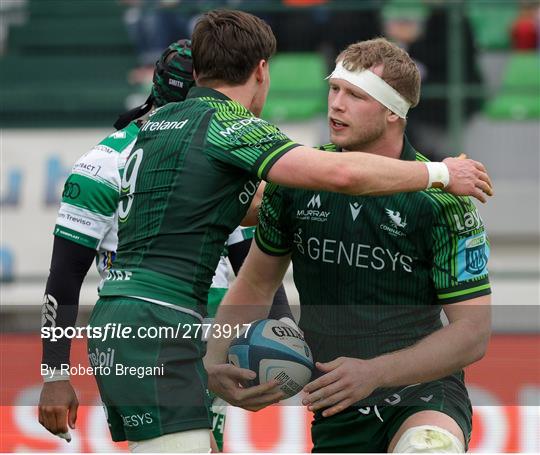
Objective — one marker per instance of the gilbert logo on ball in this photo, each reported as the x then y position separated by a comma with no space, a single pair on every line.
274,350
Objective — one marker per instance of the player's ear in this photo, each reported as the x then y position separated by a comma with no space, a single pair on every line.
261,71
391,117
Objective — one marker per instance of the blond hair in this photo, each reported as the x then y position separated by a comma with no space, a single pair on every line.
399,71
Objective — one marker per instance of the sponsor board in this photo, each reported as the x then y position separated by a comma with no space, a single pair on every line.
503,382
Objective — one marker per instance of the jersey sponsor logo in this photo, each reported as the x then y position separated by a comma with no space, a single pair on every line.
470,221
71,190
233,129
86,168
118,275
397,224
137,420
49,310
351,254
74,219
99,358
473,254
118,135
163,125
250,188
315,202
311,214
355,209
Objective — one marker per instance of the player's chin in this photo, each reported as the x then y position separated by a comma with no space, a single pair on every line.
338,139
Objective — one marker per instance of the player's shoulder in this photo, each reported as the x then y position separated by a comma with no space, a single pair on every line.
118,141
458,212
328,147
102,163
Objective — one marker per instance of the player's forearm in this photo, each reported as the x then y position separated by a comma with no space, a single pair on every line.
69,264
442,353
370,174
353,173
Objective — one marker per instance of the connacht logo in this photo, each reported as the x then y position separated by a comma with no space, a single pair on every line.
355,209
315,202
395,218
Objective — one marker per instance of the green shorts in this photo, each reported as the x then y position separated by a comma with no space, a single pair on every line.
371,428
151,383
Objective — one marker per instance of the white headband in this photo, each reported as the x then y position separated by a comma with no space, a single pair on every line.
374,86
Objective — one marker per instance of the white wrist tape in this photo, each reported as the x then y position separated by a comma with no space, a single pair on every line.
56,376
439,176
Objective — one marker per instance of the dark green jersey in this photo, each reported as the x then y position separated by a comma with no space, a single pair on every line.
187,184
373,272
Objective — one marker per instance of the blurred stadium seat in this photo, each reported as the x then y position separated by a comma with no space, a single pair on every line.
492,23
298,89
519,96
66,65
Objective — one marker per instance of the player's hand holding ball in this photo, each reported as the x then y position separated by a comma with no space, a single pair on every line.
230,383
268,363
346,381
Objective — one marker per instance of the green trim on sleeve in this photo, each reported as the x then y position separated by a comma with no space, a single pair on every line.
463,292
269,249
263,171
77,237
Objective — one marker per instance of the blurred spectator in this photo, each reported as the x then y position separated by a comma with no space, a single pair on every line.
11,12
524,30
427,43
327,26
152,25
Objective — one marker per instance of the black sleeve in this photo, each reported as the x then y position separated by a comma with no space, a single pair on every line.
69,265
280,306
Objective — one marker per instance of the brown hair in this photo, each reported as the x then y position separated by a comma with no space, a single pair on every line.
227,46
399,71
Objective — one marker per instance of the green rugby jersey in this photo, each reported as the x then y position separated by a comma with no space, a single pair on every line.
187,184
373,272
88,210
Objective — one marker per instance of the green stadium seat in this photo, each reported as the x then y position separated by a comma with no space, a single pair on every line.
522,71
66,66
514,107
491,22
298,89
519,97
59,35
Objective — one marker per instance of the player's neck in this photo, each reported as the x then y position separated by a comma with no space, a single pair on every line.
239,93
389,146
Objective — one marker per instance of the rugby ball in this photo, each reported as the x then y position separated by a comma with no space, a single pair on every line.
274,350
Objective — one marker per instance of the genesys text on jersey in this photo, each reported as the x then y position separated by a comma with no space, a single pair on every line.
113,330
354,254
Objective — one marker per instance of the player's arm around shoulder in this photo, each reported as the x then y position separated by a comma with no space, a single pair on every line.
358,173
